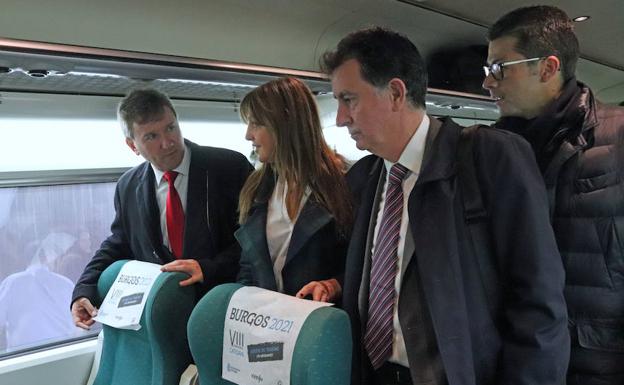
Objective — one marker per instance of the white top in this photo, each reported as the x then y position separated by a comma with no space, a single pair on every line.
33,307
162,188
279,228
411,158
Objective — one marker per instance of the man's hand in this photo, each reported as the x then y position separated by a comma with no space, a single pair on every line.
328,290
188,266
83,312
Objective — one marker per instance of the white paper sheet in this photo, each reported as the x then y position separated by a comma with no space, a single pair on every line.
124,303
260,331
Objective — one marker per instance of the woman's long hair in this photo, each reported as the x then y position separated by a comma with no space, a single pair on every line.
288,110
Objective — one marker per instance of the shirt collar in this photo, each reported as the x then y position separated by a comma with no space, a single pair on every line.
183,167
413,153
36,267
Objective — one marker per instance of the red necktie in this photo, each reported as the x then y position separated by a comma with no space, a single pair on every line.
379,329
175,216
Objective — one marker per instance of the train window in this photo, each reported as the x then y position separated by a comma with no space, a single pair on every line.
61,144
63,137
48,234
77,142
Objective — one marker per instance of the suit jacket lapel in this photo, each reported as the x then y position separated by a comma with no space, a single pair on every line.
433,226
252,238
150,213
310,220
252,234
359,247
211,187
437,162
197,205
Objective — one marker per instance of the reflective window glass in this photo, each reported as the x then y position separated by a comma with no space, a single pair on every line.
48,234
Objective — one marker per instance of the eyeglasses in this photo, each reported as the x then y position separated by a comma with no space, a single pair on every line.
496,69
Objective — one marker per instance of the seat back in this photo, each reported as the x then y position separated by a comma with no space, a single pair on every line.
322,353
158,353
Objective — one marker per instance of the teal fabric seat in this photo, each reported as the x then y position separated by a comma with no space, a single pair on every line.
322,354
158,353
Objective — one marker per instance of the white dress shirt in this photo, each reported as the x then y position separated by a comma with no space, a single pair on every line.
411,158
279,228
162,188
33,307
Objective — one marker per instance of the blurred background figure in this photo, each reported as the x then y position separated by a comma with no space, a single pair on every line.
72,263
33,303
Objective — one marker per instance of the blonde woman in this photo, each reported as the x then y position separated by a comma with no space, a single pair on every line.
295,211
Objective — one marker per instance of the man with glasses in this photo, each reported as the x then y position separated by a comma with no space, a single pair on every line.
579,146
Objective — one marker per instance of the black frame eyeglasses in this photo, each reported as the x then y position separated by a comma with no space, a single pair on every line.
496,69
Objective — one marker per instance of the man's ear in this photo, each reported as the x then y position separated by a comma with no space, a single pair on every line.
130,143
398,93
550,68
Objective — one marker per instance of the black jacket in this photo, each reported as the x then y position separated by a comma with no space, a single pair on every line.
523,339
582,152
215,178
316,251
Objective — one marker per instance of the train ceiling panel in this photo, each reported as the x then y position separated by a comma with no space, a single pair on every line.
203,41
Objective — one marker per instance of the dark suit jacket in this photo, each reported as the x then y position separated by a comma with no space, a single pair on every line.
316,251
215,178
522,339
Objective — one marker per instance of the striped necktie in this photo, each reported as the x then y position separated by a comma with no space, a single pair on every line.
379,329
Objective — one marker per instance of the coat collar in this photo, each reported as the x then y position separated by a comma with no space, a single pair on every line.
437,163
433,206
312,218
251,236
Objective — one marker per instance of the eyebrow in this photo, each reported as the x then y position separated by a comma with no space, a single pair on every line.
499,60
343,94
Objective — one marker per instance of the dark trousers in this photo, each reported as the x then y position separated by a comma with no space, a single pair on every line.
392,374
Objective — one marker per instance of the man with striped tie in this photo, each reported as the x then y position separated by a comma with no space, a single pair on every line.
430,302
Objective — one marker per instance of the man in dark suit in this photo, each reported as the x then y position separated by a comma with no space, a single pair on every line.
423,307
179,208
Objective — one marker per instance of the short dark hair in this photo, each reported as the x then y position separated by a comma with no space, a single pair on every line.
541,30
142,106
383,55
